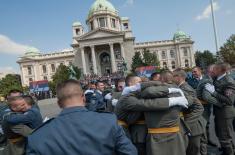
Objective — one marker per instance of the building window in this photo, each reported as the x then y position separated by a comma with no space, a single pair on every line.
164,65
29,70
44,69
120,67
113,22
61,64
70,63
102,22
52,67
91,24
30,79
186,63
185,52
77,31
163,54
173,64
45,78
126,26
172,54
118,54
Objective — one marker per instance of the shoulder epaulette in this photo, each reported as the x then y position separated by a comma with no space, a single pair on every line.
43,124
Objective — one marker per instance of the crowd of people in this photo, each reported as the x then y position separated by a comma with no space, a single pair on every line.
168,114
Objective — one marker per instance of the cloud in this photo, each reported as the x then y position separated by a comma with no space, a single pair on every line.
7,70
207,11
129,2
11,47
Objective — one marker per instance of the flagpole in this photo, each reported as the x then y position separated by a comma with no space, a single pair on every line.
215,29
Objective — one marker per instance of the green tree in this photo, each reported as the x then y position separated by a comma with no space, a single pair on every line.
9,82
205,58
227,51
136,61
62,74
144,59
150,59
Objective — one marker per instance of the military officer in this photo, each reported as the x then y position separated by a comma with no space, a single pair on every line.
95,99
161,120
207,99
192,116
224,91
193,81
77,130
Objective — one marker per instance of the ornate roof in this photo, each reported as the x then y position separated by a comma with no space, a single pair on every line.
77,23
31,51
100,6
180,35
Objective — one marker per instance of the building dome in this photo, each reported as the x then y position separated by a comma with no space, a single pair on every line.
101,5
31,51
77,24
180,35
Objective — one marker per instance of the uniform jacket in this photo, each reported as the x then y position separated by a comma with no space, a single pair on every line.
193,115
78,131
225,95
203,94
95,101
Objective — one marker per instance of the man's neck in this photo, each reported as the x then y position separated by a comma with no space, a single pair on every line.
180,83
221,76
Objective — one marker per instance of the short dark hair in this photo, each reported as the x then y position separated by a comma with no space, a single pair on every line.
180,72
129,78
15,91
167,77
68,89
98,82
154,74
28,99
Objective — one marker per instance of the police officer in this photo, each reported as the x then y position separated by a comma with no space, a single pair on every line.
224,91
77,130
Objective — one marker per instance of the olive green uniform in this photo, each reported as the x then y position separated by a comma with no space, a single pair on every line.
225,95
109,106
207,101
197,124
159,117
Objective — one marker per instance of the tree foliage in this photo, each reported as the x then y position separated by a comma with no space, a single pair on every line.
62,74
205,58
9,82
146,58
227,51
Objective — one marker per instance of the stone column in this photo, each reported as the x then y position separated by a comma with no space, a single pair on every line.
83,60
94,59
113,61
122,51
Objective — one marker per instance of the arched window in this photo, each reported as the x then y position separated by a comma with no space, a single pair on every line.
173,64
186,63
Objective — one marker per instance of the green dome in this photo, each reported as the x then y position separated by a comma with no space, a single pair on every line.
77,24
180,35
101,5
31,51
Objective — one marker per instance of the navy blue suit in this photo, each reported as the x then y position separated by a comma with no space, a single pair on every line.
78,131
95,101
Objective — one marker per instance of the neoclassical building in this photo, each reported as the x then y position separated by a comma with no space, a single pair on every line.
35,66
109,41
103,45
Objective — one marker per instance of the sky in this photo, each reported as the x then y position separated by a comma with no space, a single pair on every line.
47,24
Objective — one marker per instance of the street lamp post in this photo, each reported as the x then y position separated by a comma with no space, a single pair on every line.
215,29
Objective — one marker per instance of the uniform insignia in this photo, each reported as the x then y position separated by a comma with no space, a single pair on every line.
229,92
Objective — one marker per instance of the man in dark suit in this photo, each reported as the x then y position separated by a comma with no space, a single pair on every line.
77,130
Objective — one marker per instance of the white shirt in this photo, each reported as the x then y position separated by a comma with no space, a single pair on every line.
221,76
